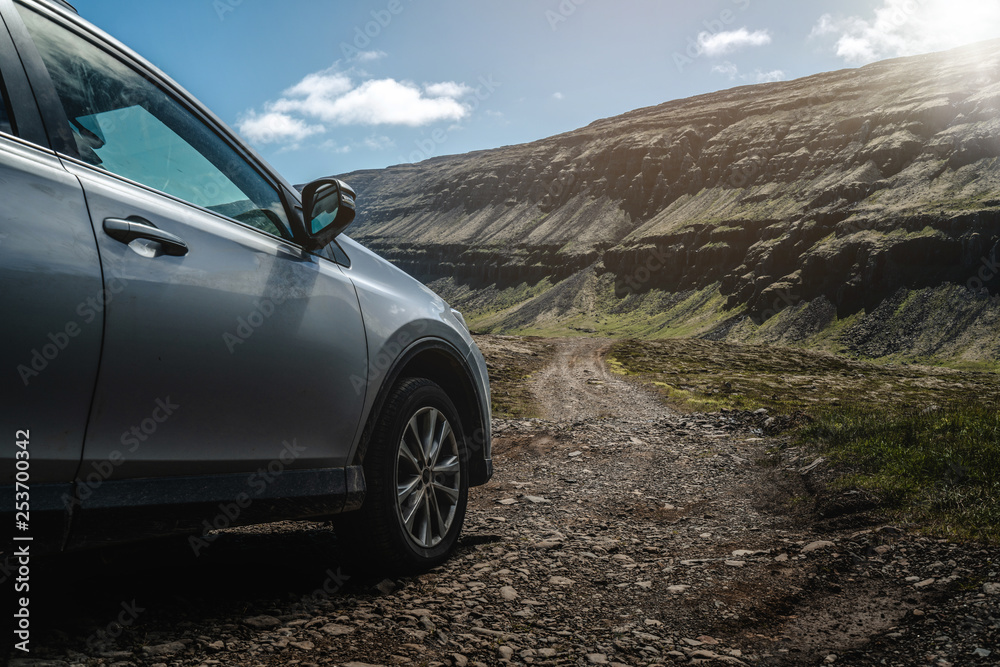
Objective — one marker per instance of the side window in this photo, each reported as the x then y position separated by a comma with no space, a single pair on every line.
128,126
4,113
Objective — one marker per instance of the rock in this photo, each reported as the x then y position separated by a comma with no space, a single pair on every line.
506,652
597,658
537,499
991,588
337,630
982,653
561,581
459,660
386,586
170,648
547,544
262,622
677,588
507,501
508,593
303,645
812,466
701,656
925,583
781,558
819,544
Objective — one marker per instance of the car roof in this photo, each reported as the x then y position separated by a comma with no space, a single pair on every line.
63,4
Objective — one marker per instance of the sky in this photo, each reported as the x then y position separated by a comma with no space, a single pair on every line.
323,87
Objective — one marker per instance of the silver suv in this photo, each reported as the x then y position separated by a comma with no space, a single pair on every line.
190,343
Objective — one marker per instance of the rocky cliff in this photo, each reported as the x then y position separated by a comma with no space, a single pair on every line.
796,211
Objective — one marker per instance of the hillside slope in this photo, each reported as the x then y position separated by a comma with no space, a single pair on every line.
857,210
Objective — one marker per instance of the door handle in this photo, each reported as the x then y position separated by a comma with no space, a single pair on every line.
134,228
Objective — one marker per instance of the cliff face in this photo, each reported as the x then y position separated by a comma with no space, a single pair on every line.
841,188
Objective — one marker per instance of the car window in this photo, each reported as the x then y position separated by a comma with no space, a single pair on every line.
125,124
4,113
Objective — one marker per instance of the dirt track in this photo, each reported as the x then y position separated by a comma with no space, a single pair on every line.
578,385
614,532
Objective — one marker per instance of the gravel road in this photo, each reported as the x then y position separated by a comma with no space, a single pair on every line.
614,532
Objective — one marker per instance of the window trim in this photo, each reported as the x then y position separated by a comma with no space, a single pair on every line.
57,124
26,123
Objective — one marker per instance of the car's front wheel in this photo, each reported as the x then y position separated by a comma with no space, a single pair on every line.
416,471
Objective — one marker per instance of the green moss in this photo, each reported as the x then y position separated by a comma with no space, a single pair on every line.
940,468
925,441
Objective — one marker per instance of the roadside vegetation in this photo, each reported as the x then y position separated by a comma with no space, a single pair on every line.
512,362
924,441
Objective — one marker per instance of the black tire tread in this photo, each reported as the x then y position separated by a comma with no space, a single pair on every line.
370,533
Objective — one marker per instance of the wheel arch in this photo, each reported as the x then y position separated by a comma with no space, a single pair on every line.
438,361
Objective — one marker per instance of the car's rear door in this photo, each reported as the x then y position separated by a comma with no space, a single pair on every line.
227,346
50,347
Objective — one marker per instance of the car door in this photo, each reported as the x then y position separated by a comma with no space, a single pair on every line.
227,346
49,270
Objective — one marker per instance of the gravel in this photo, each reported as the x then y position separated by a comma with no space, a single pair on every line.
615,532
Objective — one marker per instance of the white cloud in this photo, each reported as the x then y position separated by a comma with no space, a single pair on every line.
390,102
727,69
332,97
909,27
721,43
732,72
369,56
325,83
448,89
272,126
331,146
769,77
378,143
558,96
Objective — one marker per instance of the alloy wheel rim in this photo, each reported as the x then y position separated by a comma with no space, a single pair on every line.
428,478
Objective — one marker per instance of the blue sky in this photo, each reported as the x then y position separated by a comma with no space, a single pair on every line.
322,87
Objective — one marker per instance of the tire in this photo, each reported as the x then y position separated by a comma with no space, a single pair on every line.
417,486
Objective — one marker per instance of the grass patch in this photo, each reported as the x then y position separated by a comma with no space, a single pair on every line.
940,468
512,362
924,440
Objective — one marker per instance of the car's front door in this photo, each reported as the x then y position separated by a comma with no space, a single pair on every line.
227,346
49,352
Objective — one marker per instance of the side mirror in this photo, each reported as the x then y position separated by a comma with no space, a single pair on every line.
329,209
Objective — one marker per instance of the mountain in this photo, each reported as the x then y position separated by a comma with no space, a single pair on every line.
857,211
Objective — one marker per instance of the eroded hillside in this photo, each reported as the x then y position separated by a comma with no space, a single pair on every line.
857,209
